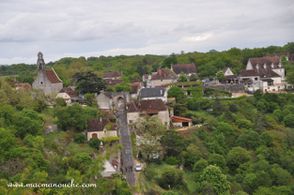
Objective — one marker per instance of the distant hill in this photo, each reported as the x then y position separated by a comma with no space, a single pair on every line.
133,67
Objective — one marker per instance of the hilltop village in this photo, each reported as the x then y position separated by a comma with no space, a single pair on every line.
172,128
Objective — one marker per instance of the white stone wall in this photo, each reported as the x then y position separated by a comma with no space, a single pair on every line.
104,102
102,134
156,83
42,83
132,117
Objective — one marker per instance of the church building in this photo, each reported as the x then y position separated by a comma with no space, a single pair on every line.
47,80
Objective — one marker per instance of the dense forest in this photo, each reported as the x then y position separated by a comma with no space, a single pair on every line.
238,146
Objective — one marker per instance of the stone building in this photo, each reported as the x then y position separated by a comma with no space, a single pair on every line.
47,80
163,77
143,108
265,73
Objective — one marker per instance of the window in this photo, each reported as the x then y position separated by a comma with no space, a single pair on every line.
130,121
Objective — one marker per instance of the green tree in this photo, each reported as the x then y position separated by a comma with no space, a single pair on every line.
236,157
212,180
150,131
74,117
88,82
171,178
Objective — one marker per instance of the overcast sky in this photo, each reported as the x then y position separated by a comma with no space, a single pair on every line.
62,28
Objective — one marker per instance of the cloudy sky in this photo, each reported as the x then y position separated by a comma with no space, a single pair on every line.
61,28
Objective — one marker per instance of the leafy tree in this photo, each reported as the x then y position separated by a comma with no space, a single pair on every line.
172,143
249,139
90,99
236,157
88,82
194,77
280,176
218,160
74,117
171,178
182,78
212,180
149,131
289,120
200,165
80,138
220,76
94,143
177,93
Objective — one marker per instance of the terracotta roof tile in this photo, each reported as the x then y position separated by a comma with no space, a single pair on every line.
52,76
96,124
147,106
179,119
162,74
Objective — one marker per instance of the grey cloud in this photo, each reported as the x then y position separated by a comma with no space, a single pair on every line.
96,27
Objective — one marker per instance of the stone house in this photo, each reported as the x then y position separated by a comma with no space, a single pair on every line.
163,77
47,80
230,77
153,93
69,95
107,100
155,107
179,122
97,129
112,78
135,89
264,73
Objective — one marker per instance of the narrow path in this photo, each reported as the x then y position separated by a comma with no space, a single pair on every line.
125,140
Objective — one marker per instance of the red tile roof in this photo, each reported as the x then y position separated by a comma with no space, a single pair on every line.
96,124
113,81
69,91
184,68
179,119
52,76
162,74
147,106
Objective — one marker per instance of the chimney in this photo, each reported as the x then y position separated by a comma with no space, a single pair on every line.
264,66
161,91
257,67
100,119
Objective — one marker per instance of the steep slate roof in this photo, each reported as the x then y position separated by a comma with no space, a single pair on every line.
184,68
96,124
262,72
112,74
179,119
268,60
152,92
162,74
52,76
147,106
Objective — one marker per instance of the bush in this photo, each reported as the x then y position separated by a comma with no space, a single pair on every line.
80,138
171,178
94,143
